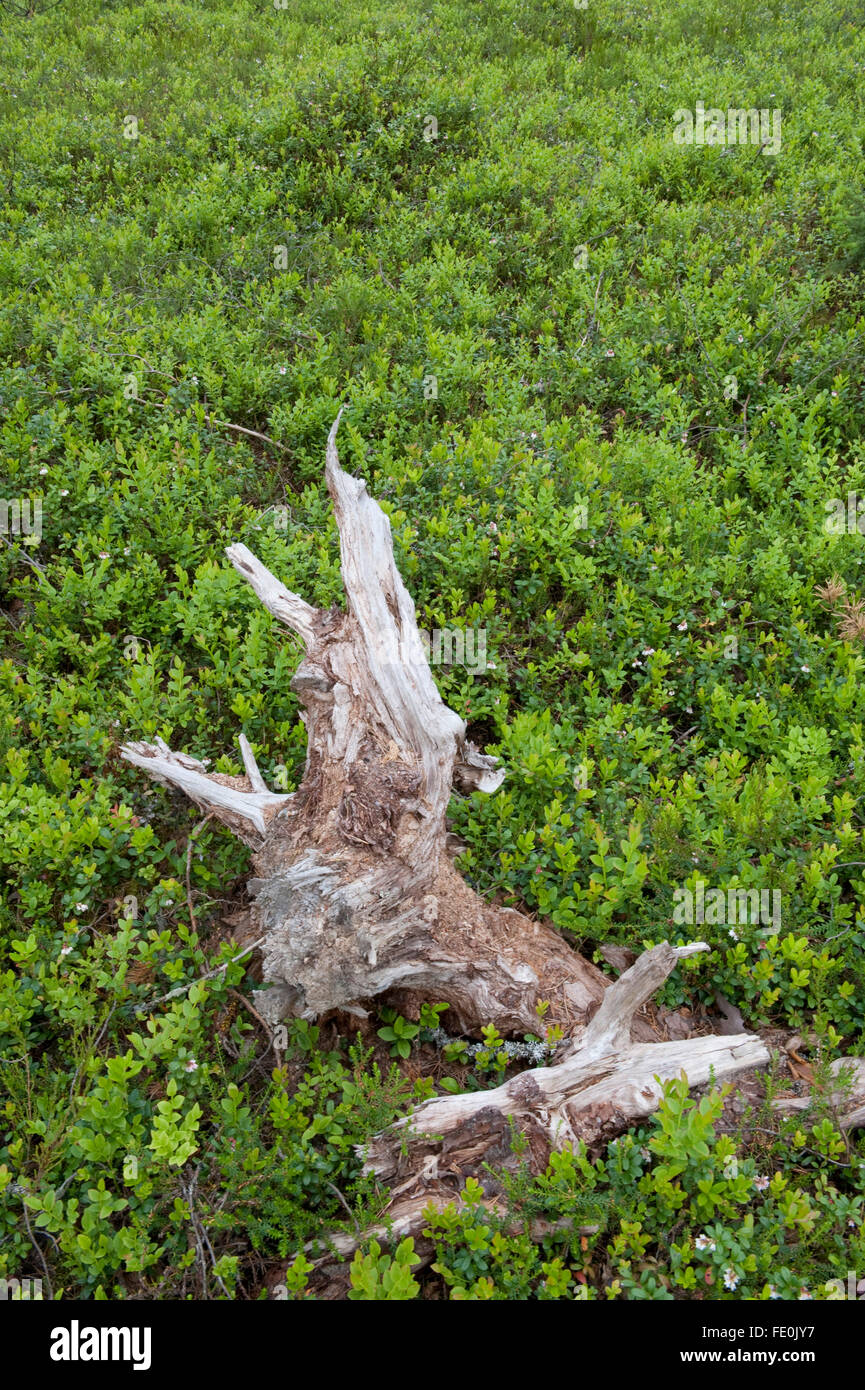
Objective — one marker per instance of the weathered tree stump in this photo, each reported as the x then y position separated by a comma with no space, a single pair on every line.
356,896
355,891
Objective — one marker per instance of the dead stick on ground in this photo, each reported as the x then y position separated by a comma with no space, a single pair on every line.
242,999
211,974
189,845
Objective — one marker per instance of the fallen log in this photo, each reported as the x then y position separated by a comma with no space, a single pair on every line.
596,1094
604,1084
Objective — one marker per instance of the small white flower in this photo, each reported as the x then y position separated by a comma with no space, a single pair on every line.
191,1065
803,1295
610,352
103,555
704,1243
648,651
741,339
65,950
42,472
282,371
731,1279
126,550
806,669
64,492
683,627
732,932
761,1182
80,907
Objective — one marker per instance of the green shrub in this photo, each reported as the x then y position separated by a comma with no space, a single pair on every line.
616,464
